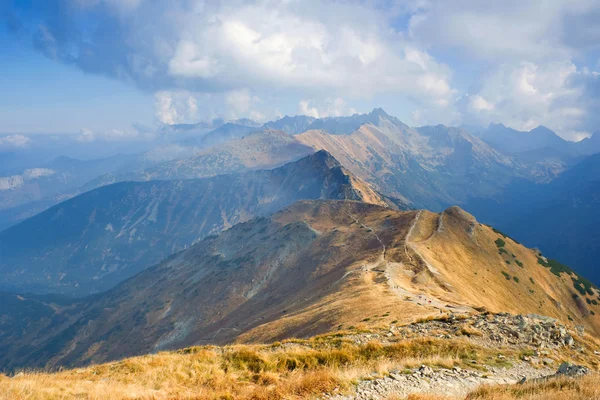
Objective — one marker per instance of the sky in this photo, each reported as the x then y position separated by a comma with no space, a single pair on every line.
112,68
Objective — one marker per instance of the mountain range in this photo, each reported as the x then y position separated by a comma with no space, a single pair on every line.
97,239
311,267
492,173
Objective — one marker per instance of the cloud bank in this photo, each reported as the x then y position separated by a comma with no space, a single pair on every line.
530,62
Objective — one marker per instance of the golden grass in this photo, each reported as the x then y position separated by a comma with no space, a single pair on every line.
298,370
586,388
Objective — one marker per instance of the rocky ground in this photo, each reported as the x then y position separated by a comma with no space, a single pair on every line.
454,382
540,338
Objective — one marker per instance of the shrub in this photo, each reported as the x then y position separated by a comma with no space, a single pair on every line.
500,243
519,263
507,276
516,279
532,281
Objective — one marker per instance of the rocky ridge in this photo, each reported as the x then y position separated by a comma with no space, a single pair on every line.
541,340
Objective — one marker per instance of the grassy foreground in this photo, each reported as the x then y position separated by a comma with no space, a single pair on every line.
293,369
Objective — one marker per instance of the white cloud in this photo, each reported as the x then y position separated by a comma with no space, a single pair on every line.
85,136
525,95
531,30
328,107
175,107
215,47
14,142
305,109
478,103
240,102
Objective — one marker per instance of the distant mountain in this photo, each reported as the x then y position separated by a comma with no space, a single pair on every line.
65,178
347,125
539,144
291,125
261,149
333,125
258,150
428,167
95,240
308,269
226,132
511,141
561,217
590,145
63,173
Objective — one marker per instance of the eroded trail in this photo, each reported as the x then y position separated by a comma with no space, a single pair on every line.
394,273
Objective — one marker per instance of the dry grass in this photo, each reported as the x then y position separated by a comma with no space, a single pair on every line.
586,388
299,370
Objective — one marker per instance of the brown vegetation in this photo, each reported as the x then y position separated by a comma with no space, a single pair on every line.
294,369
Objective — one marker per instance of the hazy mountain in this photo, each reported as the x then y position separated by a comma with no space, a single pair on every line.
65,178
305,270
430,167
291,125
227,132
63,173
538,145
509,140
590,145
347,125
260,149
95,240
561,217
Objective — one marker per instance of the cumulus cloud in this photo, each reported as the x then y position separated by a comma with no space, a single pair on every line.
525,95
328,107
532,30
11,142
304,108
240,102
206,59
211,47
175,107
85,136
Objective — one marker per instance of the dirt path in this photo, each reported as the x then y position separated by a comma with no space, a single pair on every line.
454,383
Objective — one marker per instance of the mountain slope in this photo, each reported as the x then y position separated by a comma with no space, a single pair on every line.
225,132
307,269
258,150
49,179
512,141
95,240
561,217
290,125
429,167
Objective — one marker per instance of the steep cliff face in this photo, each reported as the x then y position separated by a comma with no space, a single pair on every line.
95,240
307,269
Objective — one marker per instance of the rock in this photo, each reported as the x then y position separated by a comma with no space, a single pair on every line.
568,369
547,361
569,340
425,370
522,380
580,329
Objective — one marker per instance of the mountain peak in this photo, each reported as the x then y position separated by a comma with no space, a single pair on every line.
379,112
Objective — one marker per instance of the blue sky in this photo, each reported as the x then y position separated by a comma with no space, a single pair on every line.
104,66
